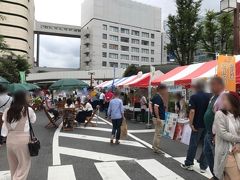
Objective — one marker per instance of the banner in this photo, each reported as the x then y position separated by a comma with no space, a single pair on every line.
22,76
170,124
226,69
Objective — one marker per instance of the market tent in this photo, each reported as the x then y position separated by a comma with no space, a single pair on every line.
102,84
3,81
65,84
127,80
184,75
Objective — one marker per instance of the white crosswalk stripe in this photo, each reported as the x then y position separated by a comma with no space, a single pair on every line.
5,175
111,170
100,139
195,167
61,173
157,170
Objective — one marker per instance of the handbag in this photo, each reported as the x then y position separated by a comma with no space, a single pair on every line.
34,143
124,129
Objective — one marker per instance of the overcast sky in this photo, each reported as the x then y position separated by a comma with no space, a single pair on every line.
64,52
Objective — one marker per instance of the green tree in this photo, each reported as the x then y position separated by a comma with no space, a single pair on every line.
184,30
210,36
225,21
131,70
10,69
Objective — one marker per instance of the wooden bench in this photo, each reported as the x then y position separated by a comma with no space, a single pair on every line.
52,122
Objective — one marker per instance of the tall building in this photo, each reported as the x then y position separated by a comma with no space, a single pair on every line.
117,33
17,27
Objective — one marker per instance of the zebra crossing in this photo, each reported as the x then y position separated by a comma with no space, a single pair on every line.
108,166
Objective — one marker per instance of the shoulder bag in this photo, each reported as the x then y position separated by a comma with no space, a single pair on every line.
34,143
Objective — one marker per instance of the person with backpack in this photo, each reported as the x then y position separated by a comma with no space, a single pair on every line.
5,102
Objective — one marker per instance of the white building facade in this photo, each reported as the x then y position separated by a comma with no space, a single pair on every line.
117,33
17,26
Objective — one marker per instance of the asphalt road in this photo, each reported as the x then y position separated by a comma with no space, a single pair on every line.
86,154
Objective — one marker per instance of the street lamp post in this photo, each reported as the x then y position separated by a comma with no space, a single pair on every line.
229,6
91,77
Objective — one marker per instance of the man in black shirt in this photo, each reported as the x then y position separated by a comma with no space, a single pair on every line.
198,105
158,109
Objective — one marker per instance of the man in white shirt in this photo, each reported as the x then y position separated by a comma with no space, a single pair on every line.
101,100
5,102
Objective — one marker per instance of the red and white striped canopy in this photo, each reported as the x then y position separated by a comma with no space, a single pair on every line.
184,75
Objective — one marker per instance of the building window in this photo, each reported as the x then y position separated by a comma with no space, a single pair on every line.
152,36
104,27
152,59
113,38
145,59
145,51
134,49
104,63
124,39
135,41
152,43
113,29
152,51
135,58
135,33
145,43
124,57
125,31
113,55
104,36
113,46
136,65
113,64
104,54
104,45
124,65
124,48
144,34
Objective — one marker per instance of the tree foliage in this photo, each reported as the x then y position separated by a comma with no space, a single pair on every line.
131,70
217,33
184,30
10,69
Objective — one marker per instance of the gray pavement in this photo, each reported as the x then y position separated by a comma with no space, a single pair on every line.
86,154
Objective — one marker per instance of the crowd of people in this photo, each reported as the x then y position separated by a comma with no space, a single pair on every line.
213,117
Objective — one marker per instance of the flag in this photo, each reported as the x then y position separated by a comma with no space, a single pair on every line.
22,76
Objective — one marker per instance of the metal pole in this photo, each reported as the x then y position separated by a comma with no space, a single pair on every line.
236,30
38,48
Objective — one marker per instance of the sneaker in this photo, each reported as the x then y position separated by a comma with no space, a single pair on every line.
111,141
203,170
189,168
117,142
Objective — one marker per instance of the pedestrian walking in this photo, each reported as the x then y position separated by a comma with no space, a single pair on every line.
101,100
158,110
227,123
116,114
217,87
5,102
143,102
16,128
198,105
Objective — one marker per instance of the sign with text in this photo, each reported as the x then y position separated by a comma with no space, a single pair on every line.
226,69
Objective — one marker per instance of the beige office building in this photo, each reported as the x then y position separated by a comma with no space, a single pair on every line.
17,27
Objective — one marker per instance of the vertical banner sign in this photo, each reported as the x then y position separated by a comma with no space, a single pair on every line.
22,76
226,69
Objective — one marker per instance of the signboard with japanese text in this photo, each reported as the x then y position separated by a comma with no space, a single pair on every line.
227,70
